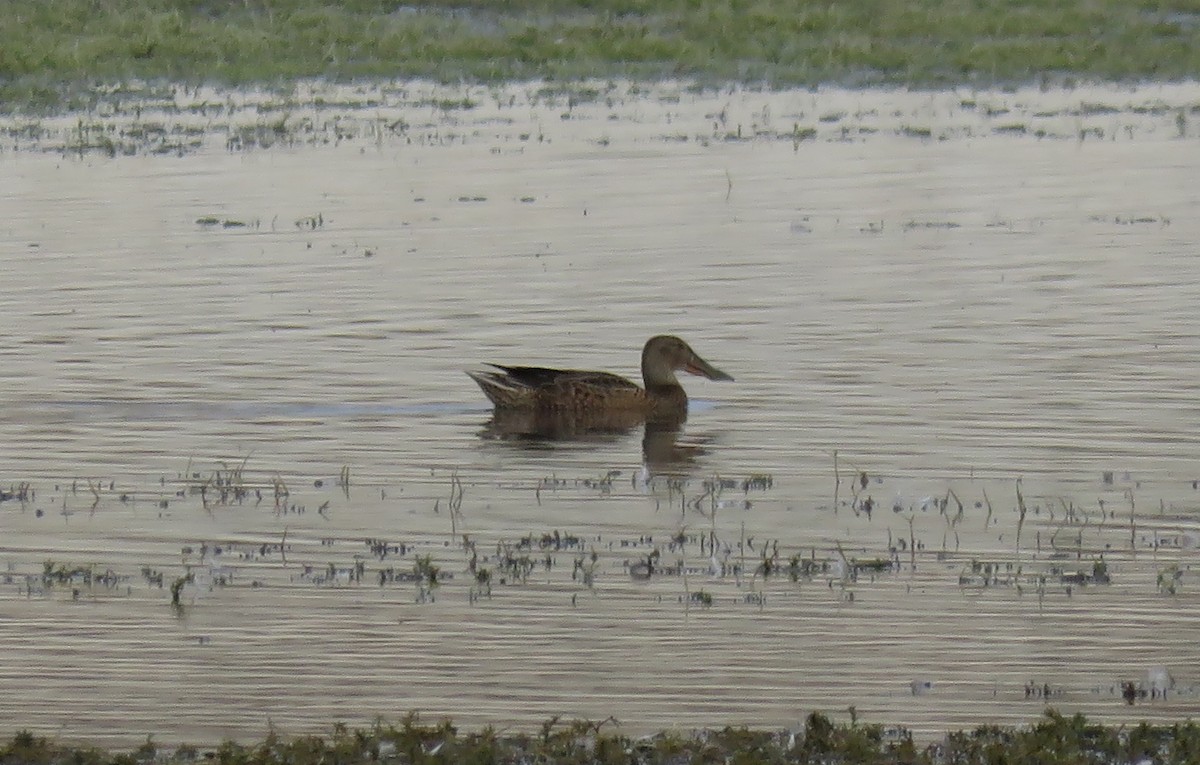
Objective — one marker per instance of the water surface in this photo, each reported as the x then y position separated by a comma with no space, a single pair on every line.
952,291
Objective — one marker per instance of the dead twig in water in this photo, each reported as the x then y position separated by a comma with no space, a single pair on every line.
455,503
742,547
847,571
837,482
912,544
1132,521
857,487
177,591
281,493
1021,517
958,516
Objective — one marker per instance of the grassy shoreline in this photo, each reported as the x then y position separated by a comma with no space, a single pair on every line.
1053,740
51,46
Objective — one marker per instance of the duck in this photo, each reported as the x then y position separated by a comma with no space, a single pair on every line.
544,390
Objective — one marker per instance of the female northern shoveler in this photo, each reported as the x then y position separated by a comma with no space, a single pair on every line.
570,390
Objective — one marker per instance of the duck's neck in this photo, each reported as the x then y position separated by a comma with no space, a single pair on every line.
667,398
656,375
662,386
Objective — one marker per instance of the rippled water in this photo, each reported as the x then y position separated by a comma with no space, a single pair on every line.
952,291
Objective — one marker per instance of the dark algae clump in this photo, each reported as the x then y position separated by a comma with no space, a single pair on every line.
1052,740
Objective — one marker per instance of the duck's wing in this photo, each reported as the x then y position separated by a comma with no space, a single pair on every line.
541,387
546,378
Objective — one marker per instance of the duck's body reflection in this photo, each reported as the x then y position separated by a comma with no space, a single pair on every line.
535,404
665,450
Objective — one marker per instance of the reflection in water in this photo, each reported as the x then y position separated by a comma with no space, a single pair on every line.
561,425
664,449
666,452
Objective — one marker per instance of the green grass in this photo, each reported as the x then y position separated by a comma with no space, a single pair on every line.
49,45
1054,740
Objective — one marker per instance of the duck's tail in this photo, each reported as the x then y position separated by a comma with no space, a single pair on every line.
501,388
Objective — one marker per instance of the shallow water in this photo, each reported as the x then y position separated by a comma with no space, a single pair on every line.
952,291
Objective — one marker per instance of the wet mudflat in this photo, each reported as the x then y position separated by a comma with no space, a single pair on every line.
260,491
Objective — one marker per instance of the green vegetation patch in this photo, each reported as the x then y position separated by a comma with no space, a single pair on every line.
1054,740
47,45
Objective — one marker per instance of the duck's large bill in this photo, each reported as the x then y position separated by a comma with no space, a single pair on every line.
701,368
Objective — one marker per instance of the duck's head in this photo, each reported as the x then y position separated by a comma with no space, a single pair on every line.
664,354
